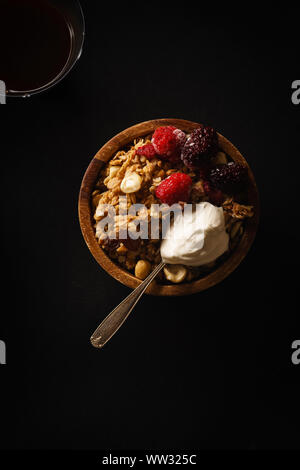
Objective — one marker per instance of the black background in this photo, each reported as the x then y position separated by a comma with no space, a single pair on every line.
209,371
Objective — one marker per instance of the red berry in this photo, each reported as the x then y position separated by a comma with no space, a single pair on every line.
147,151
168,141
175,188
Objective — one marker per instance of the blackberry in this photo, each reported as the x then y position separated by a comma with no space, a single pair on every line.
201,144
230,177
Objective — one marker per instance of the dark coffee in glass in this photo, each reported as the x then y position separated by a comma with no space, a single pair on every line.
37,42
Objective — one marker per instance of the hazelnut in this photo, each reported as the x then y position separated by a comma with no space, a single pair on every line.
175,273
131,183
142,269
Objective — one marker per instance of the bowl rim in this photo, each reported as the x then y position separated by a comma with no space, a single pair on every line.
106,152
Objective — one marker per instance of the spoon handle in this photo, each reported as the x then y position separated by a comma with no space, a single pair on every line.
116,318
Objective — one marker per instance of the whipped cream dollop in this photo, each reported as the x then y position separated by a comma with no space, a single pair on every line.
196,237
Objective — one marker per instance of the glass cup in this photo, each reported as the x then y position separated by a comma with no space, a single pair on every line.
74,18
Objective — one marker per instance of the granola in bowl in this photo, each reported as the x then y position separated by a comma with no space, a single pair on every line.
167,167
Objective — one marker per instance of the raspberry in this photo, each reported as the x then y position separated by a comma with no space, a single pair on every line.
215,196
229,177
147,150
201,144
175,188
167,142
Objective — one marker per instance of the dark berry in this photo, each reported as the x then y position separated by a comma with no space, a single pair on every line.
201,144
230,177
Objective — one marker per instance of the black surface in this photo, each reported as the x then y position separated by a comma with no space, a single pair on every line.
210,371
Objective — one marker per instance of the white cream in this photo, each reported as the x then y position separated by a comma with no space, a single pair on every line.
197,237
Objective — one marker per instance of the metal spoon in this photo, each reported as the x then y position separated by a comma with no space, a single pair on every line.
116,318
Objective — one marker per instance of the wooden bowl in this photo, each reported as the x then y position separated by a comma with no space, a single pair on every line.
86,215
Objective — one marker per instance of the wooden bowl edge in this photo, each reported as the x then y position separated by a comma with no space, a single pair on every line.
126,278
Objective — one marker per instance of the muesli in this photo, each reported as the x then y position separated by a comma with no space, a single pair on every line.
157,171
